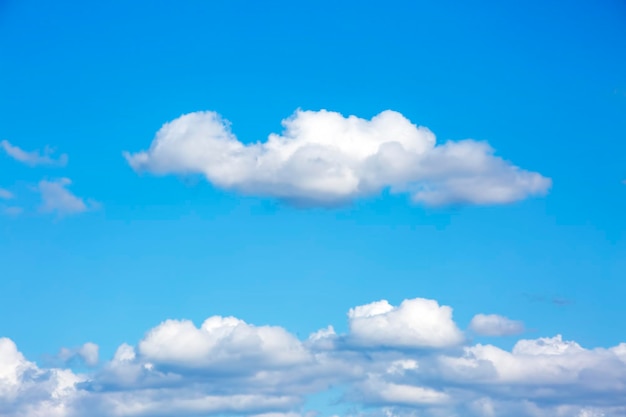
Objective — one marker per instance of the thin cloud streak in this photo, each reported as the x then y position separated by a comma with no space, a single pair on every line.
33,158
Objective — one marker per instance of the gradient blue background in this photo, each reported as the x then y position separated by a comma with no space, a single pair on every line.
545,84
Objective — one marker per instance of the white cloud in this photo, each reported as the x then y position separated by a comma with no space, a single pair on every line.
87,353
12,366
379,392
221,342
28,391
323,158
228,366
541,368
56,198
33,158
176,402
416,323
495,325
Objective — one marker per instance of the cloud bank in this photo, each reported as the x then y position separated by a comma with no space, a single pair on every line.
323,159
227,366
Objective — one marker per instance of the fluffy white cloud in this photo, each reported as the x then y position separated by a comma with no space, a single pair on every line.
227,366
544,370
221,342
26,390
324,158
56,198
33,158
495,325
416,323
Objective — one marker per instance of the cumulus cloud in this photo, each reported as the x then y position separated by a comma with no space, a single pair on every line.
33,158
495,325
228,366
416,323
56,198
323,158
221,341
26,390
544,371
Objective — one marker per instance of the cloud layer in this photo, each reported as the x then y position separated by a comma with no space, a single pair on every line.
323,158
406,360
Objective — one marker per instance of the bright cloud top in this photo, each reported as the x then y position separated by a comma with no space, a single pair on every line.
228,366
323,158
33,158
417,323
221,340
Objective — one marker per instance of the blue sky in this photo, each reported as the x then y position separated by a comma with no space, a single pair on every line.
98,247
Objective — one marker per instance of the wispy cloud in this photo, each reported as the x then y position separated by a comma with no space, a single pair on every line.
55,195
323,159
495,325
229,366
87,353
12,210
8,210
541,298
5,194
56,198
33,158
